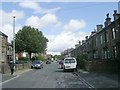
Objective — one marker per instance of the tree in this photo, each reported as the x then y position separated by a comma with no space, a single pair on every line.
30,40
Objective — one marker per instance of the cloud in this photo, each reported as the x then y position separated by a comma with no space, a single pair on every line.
54,53
53,10
49,19
36,7
7,17
64,41
34,21
74,25
31,5
8,30
46,20
67,38
6,24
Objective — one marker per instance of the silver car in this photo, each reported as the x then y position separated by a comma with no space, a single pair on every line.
37,64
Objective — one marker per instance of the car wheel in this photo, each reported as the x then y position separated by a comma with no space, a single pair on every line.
64,69
75,69
31,67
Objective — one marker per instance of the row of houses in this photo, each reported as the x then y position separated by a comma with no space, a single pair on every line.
102,44
6,51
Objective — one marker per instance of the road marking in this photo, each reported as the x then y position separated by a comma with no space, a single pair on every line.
19,73
84,81
9,80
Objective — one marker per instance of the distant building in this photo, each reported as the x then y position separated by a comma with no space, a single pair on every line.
67,53
22,55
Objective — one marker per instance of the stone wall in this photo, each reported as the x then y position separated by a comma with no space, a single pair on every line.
6,69
102,66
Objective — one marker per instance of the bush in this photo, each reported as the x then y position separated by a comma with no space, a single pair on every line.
23,59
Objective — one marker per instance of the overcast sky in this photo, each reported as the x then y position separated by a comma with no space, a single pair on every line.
63,23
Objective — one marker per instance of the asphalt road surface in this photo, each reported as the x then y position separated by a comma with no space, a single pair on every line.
47,77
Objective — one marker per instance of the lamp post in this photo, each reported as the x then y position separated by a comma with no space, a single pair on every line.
14,41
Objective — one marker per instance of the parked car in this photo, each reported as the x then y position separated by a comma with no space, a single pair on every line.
69,63
37,64
48,62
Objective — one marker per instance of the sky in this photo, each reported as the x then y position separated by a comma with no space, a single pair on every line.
63,23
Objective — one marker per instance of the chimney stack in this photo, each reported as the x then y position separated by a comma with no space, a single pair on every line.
83,41
108,20
115,14
99,27
79,42
76,45
86,37
93,32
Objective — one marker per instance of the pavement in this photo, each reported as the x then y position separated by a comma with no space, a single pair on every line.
6,77
100,80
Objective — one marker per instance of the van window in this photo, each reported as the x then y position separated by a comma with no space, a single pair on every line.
69,61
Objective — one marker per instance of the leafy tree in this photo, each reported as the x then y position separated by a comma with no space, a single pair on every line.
30,40
39,57
81,60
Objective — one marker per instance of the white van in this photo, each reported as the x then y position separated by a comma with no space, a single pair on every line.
70,63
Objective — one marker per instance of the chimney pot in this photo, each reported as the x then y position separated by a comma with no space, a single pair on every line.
115,14
79,42
108,20
86,37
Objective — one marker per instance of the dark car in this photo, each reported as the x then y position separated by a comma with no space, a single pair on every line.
61,64
48,62
37,64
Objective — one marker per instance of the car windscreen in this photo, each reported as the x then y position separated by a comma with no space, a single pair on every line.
36,62
69,61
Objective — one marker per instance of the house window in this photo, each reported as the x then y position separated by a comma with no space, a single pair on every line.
115,52
105,54
107,37
95,41
108,54
3,55
101,39
95,54
113,33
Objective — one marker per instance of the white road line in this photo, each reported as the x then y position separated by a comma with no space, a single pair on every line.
9,80
19,73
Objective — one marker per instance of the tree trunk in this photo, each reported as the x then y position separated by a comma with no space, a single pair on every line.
29,55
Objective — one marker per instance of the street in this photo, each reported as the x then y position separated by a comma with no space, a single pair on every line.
47,77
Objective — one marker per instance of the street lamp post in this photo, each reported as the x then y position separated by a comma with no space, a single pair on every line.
14,41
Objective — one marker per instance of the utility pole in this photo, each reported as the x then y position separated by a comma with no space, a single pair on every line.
14,41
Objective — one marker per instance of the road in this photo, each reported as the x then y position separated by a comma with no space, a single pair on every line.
47,77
